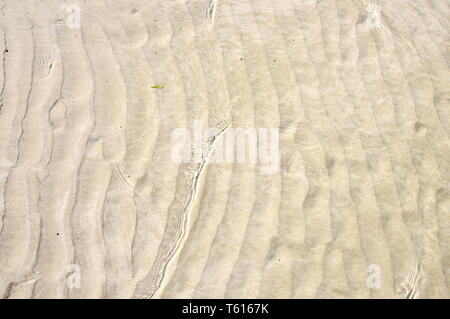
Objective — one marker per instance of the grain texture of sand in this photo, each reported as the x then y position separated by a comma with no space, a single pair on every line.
94,206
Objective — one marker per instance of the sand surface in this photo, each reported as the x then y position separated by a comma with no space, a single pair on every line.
93,206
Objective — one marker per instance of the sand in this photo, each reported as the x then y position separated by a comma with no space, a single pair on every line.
93,205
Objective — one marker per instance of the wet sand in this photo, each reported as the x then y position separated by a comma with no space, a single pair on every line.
93,205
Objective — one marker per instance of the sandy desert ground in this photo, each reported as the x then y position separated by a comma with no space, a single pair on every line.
94,206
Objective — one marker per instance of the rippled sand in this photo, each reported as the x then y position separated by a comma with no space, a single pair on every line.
93,206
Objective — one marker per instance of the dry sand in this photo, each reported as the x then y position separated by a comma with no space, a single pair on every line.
93,206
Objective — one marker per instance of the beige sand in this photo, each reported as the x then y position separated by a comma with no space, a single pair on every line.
92,206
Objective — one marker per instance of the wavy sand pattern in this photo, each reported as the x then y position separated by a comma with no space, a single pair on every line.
88,186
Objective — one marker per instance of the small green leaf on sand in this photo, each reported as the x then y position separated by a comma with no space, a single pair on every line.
157,86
